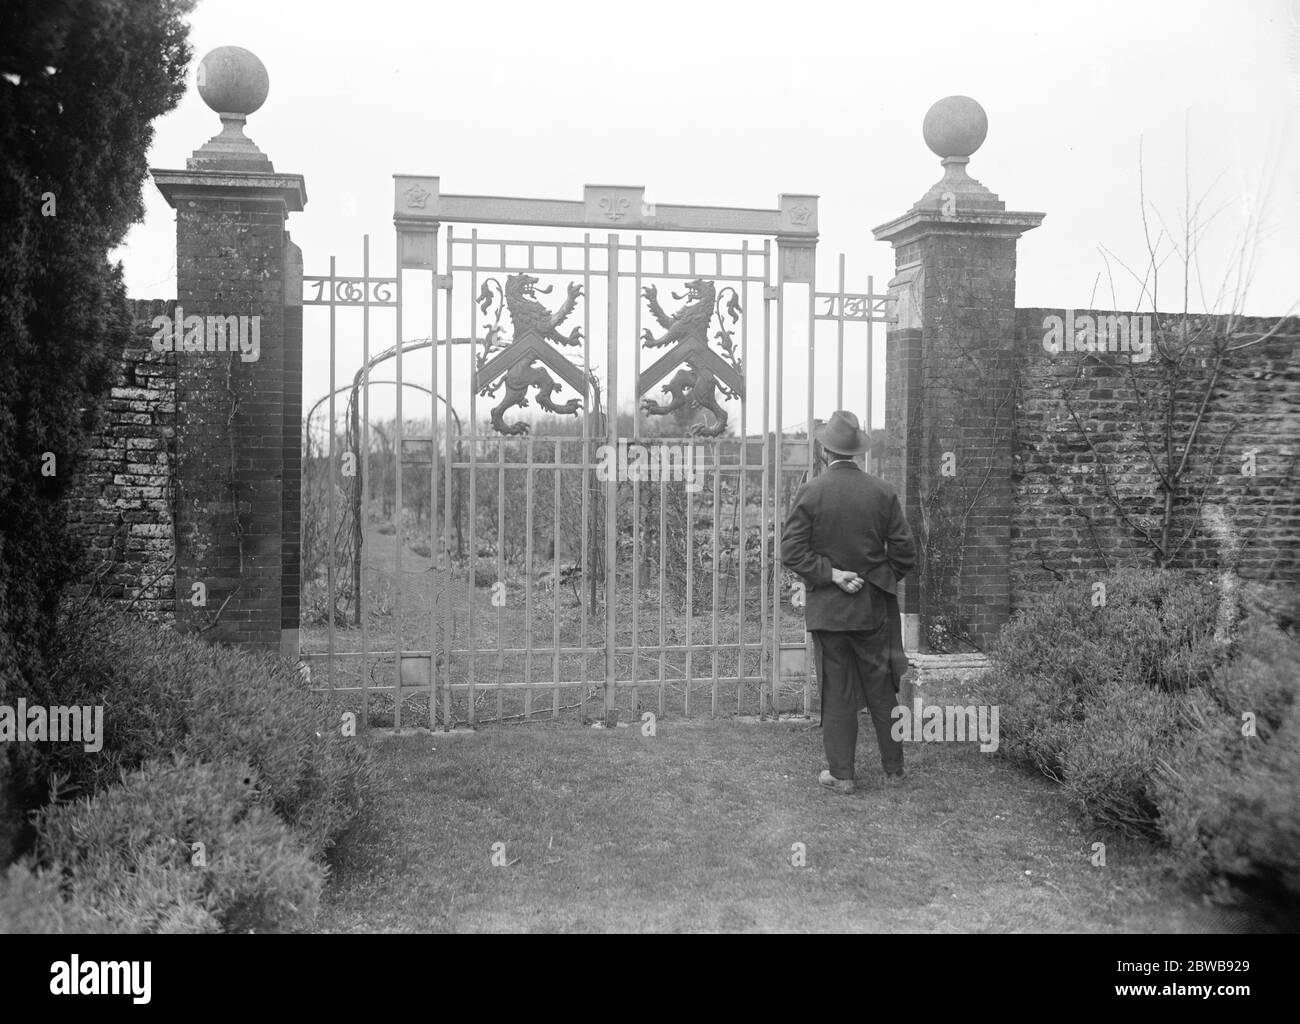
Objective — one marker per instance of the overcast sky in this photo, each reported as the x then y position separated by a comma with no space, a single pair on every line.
706,102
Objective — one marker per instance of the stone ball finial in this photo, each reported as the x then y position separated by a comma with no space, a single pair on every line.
955,127
233,80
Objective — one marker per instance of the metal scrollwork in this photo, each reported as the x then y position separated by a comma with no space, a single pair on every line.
348,291
849,307
514,363
707,372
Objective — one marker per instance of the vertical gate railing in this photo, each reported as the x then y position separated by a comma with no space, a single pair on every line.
333,292
633,628
474,263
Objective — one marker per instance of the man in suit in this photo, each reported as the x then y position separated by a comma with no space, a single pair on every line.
847,538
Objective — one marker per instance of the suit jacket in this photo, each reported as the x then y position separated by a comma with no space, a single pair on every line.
848,519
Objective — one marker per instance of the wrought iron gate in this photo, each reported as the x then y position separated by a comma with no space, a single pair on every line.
615,551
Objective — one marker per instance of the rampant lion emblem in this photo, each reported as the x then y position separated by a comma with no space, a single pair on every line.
707,373
534,325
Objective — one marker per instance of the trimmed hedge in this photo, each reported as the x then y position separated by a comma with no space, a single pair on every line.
32,902
128,859
1136,709
1064,662
164,692
201,744
1229,802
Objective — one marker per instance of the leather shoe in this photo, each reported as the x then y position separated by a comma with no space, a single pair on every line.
831,782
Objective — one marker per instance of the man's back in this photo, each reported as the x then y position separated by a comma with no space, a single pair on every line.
847,519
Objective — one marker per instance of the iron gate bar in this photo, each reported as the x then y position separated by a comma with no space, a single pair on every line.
808,428
857,307
501,562
623,649
742,532
688,556
555,580
774,667
471,581
636,482
611,485
528,575
448,615
587,402
717,506
433,481
663,532
329,505
764,469
763,558
870,355
503,264
839,352
688,560
398,506
361,481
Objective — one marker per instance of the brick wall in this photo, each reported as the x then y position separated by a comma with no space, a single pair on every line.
230,433
903,377
1065,526
291,499
194,475
120,503
955,419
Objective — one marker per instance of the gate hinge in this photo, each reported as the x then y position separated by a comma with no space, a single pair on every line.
442,281
771,292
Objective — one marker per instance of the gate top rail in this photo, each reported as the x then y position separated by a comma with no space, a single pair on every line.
418,201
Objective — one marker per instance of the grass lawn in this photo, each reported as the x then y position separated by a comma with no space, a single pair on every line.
692,830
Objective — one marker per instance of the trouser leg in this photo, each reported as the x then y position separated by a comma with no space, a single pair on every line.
839,704
881,699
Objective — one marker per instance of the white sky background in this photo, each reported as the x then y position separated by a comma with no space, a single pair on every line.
730,104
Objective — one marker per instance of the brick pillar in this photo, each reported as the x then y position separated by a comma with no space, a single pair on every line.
291,500
238,412
950,404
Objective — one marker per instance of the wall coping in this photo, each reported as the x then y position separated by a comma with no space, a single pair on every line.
290,189
916,223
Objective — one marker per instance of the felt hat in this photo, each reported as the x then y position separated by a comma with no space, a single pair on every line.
842,435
